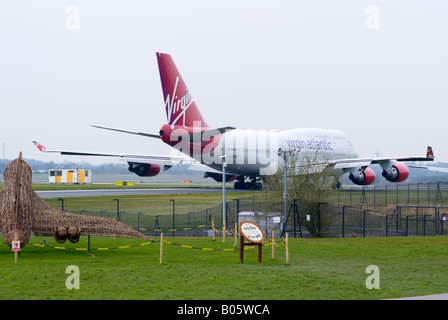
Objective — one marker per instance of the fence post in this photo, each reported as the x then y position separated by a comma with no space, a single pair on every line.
161,247
236,234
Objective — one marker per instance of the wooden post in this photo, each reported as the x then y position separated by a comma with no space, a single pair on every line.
223,234
161,247
259,252
287,248
16,253
273,245
213,229
241,248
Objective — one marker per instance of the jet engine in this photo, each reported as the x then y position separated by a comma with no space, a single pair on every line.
144,169
363,177
60,234
398,172
73,234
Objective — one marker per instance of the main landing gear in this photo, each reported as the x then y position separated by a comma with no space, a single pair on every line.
248,183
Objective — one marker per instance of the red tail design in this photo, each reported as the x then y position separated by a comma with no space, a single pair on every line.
429,153
179,103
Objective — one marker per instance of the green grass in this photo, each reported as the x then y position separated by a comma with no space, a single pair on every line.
320,269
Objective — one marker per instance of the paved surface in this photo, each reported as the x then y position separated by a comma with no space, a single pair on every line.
121,192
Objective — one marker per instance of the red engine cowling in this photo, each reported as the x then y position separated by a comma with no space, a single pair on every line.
144,169
363,178
398,172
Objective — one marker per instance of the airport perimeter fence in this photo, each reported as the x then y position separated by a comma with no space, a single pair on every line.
387,195
406,210
329,220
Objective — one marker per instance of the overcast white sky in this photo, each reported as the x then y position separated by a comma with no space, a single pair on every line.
376,69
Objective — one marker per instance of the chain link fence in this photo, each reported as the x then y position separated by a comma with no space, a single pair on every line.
404,210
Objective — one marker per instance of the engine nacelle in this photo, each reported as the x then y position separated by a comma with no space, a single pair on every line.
398,172
363,178
144,169
60,234
73,234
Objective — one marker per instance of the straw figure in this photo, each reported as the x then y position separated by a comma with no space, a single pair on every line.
22,212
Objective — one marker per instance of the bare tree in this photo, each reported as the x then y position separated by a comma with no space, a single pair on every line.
311,181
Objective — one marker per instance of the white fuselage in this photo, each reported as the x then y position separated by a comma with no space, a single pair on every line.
255,152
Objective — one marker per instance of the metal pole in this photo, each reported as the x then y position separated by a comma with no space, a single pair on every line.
118,209
237,211
62,200
224,211
174,224
285,188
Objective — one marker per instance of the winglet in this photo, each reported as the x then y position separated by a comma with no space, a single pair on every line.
429,153
39,146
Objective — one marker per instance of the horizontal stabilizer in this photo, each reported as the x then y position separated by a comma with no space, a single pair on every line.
150,135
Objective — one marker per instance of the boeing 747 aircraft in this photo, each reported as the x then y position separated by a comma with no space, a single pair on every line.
248,154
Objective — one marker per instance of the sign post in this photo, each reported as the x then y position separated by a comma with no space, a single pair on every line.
251,232
16,248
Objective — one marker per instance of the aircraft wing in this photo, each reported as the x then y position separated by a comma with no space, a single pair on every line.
365,162
140,158
432,168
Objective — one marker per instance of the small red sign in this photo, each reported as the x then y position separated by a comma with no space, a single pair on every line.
16,246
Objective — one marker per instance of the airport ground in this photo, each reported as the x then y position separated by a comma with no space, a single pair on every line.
319,269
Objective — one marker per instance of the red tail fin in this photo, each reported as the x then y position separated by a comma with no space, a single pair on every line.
429,153
179,103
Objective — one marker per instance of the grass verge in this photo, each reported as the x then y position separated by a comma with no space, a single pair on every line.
320,269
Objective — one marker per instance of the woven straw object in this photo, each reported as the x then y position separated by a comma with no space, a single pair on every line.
22,212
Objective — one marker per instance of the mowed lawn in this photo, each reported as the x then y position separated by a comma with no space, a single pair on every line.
319,269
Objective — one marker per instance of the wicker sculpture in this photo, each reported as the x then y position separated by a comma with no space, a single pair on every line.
23,212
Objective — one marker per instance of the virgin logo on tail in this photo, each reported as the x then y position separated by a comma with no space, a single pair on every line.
179,103
173,106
